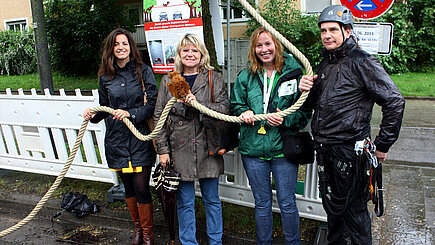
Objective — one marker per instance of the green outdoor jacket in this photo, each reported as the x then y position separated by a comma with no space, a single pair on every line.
247,94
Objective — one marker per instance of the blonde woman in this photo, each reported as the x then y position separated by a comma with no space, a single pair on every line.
269,84
183,141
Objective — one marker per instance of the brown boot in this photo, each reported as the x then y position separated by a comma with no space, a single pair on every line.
146,221
134,211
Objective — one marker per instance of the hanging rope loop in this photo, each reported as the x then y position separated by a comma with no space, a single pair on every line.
165,113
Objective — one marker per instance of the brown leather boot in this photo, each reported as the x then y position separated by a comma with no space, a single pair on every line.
146,221
134,211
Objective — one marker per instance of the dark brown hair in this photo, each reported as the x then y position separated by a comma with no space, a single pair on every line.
107,58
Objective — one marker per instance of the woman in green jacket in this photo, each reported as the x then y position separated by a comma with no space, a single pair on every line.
269,84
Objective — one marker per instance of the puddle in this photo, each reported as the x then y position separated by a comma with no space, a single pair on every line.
84,235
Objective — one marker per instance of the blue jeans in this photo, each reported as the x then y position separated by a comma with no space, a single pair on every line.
285,175
186,211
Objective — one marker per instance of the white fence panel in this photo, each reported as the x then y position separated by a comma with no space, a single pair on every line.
38,132
234,188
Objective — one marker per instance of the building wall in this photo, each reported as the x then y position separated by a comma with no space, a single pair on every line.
238,28
13,10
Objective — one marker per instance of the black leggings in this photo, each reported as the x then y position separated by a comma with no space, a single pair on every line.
137,185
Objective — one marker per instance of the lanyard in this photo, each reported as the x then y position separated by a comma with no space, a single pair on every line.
267,90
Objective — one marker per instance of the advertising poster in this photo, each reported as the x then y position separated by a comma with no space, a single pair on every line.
166,22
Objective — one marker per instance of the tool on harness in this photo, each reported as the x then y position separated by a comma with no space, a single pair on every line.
373,181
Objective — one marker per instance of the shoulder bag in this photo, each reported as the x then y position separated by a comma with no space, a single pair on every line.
221,136
298,148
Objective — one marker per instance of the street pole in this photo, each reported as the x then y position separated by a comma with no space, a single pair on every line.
228,48
41,43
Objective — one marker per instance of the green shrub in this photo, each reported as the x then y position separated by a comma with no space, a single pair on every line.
76,30
413,37
413,42
17,53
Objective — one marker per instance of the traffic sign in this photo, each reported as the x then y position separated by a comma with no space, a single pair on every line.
367,9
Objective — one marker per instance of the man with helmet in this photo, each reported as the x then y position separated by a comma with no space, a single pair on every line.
347,83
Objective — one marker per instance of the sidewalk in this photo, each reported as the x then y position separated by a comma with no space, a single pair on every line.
105,227
409,201
408,179
409,218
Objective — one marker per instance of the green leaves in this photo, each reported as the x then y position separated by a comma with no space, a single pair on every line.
17,53
414,36
76,32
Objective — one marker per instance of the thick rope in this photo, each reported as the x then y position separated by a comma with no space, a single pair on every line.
292,49
171,102
53,187
130,125
72,155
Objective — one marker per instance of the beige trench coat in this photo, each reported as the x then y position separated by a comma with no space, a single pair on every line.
183,136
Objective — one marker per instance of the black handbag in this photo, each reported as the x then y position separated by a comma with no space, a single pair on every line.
298,148
222,136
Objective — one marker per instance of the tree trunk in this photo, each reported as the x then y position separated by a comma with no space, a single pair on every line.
42,54
208,32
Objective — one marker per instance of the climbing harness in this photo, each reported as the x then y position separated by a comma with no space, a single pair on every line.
162,119
367,171
333,204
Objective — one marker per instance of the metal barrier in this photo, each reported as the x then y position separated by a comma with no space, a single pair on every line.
37,130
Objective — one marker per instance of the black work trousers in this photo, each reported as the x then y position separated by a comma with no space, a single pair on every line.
342,189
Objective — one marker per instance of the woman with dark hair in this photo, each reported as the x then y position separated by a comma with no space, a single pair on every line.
124,81
269,84
183,140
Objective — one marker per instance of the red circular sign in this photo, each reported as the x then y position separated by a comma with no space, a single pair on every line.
367,9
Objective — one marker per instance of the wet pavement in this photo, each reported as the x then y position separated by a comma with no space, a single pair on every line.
409,199
418,113
409,179
109,226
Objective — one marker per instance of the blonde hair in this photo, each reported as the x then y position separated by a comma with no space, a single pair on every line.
193,39
256,65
